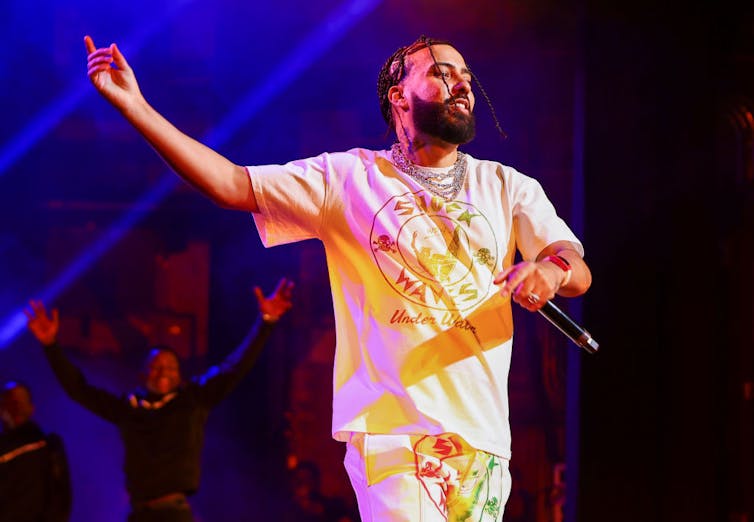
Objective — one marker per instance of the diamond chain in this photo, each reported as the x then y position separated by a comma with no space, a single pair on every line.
446,185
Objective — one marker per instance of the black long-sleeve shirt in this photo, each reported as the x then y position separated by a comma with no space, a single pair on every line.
34,481
162,444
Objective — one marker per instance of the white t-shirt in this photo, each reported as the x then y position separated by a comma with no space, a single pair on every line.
423,337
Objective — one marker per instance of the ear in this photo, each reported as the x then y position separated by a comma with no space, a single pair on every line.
396,97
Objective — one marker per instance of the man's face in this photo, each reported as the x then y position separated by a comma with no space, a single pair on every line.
440,98
15,406
163,373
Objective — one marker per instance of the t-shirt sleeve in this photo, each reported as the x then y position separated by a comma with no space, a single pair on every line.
291,199
535,220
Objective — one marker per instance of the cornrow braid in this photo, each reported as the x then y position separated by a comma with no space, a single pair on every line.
442,77
394,70
500,130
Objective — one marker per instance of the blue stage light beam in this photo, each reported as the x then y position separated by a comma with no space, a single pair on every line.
311,48
61,107
13,325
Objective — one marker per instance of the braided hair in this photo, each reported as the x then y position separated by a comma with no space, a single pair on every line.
394,70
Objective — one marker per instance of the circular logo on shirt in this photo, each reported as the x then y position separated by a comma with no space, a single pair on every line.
435,253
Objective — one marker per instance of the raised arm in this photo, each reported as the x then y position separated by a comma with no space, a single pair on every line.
45,328
220,380
221,180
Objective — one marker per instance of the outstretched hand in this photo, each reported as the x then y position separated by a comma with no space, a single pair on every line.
44,327
111,75
279,302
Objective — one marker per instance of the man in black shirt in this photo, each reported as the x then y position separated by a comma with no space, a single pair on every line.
34,482
161,425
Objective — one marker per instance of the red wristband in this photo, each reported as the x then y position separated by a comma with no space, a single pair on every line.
562,263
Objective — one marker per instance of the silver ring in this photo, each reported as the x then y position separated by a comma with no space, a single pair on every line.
533,298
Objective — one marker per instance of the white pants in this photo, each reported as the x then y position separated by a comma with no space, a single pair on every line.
417,478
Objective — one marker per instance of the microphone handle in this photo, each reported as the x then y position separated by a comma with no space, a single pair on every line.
565,324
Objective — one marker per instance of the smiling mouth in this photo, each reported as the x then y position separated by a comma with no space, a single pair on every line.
460,104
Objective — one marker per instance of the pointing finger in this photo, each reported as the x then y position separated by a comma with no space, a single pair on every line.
503,275
89,44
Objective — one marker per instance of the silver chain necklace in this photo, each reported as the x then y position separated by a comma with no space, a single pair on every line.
446,185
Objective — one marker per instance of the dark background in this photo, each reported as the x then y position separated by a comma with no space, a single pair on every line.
669,192
636,117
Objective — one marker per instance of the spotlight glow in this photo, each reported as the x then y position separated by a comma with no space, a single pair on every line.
311,48
56,111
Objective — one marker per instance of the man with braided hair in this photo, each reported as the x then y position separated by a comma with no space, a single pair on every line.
420,242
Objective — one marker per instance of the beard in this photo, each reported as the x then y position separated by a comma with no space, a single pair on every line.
442,120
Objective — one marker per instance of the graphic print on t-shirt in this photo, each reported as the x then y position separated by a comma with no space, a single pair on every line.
435,253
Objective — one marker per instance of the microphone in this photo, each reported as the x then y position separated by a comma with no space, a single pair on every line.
566,325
